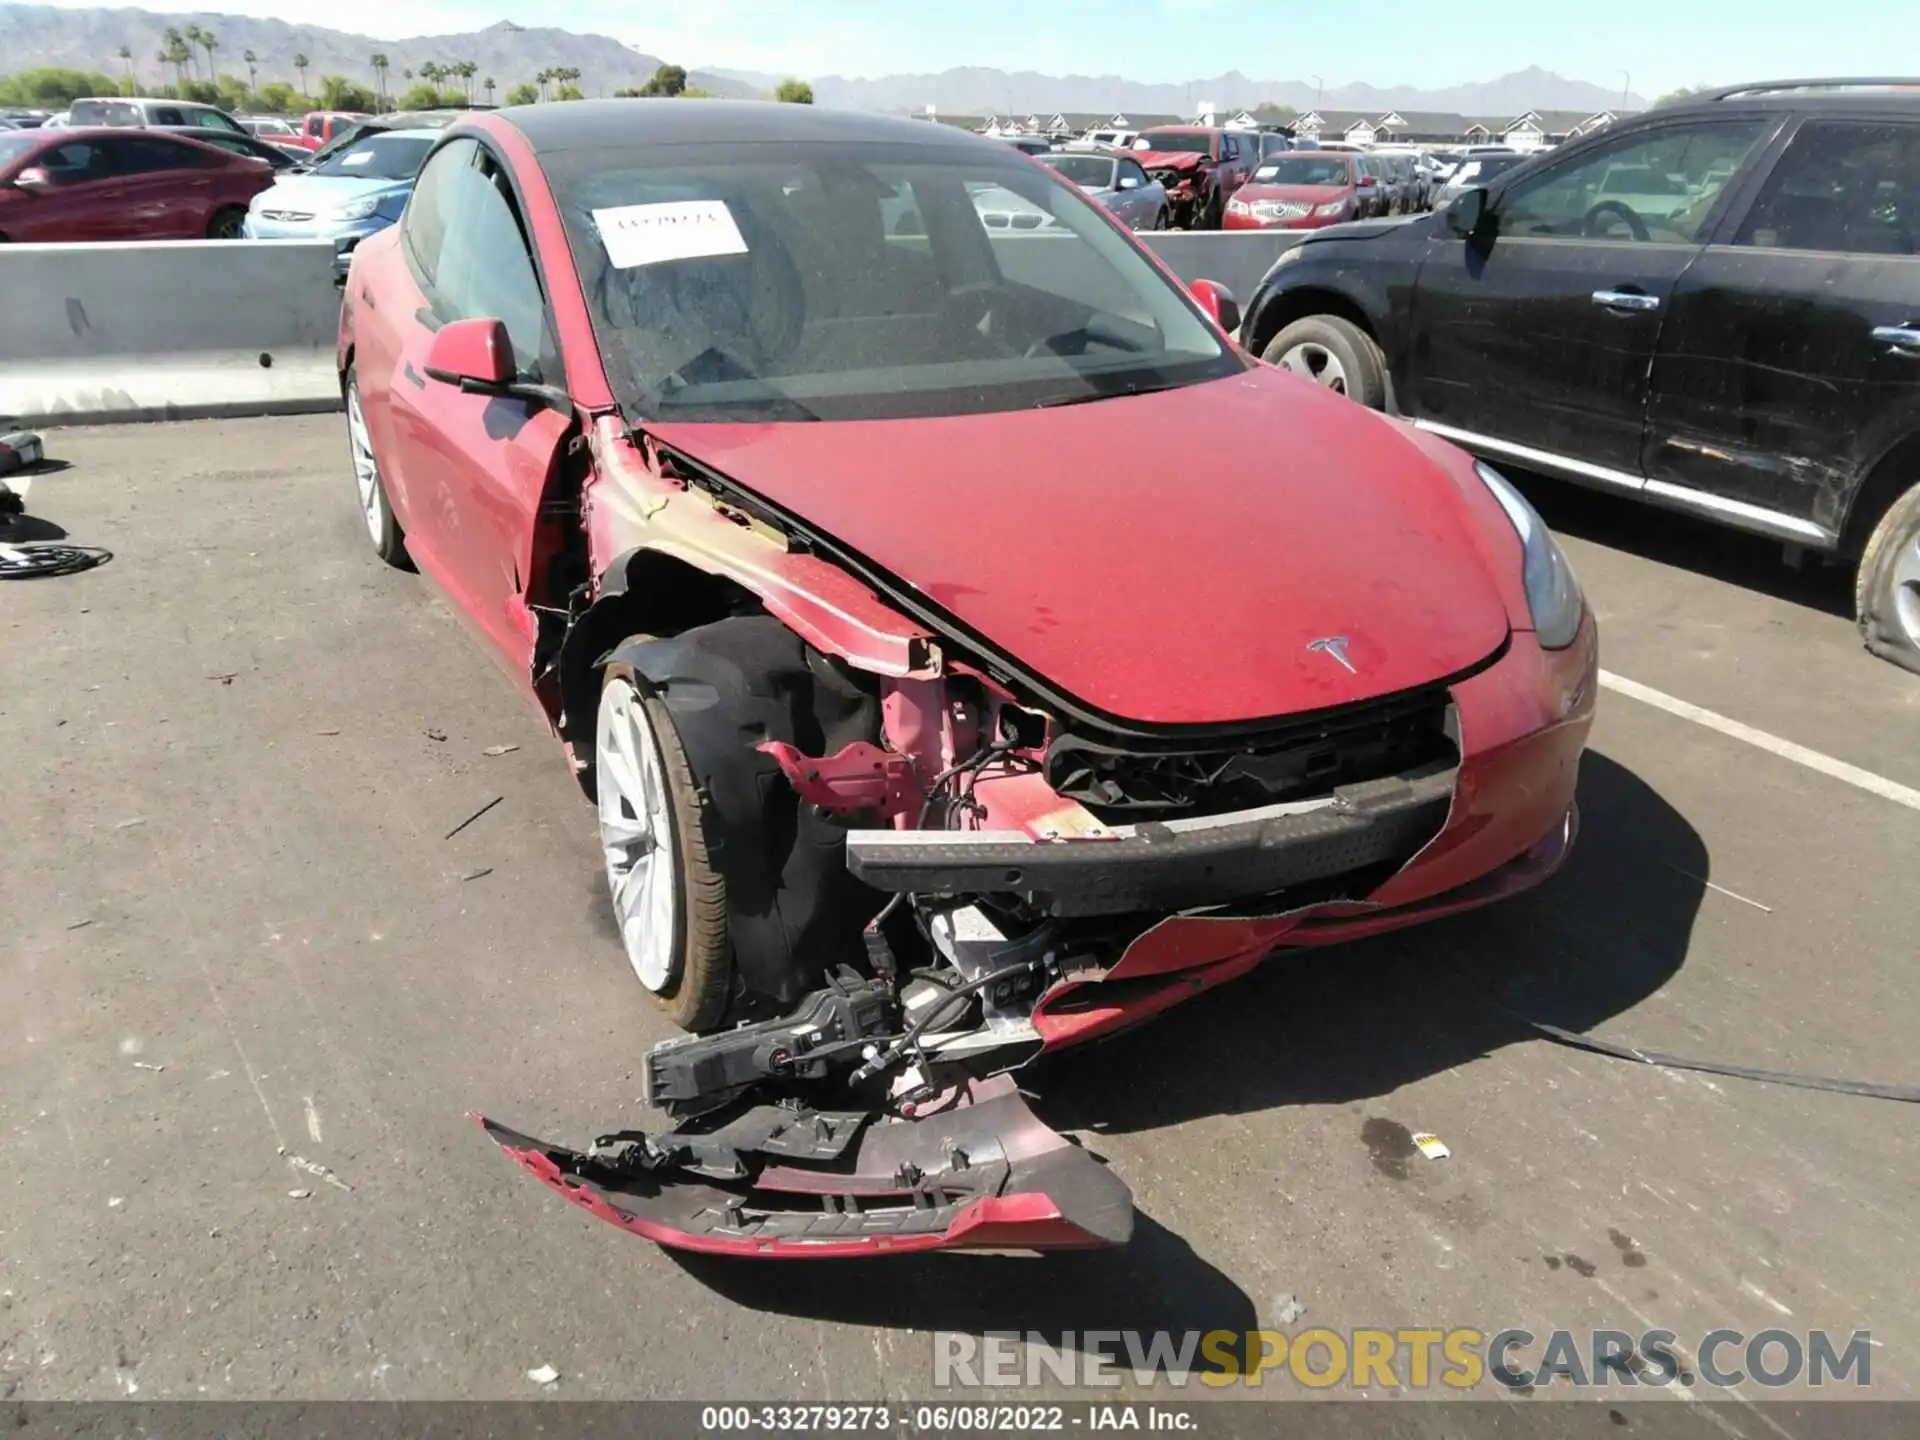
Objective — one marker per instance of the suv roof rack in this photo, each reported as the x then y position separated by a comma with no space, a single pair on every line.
1776,87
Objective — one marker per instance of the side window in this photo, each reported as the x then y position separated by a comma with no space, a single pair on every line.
167,115
312,127
1655,187
75,162
485,268
1230,147
148,154
900,217
1848,187
423,228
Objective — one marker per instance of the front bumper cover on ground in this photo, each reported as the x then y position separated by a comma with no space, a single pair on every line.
977,1173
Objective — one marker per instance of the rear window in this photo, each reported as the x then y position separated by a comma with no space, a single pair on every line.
1303,170
1091,171
105,112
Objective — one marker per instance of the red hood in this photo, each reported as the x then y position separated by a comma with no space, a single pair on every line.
1165,558
1171,159
1309,194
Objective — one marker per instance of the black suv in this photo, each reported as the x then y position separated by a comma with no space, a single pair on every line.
1714,306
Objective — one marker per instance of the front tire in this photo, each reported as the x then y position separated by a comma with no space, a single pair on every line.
668,899
1161,219
1334,353
1886,593
226,223
383,527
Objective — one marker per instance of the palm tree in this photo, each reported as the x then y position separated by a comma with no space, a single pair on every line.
379,62
125,55
431,73
487,85
175,53
466,70
209,44
194,32
253,62
300,63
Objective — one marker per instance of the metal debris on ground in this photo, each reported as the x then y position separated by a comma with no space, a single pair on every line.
298,1194
326,732
143,1065
483,871
1431,1146
129,824
300,1162
79,924
114,1202
473,817
1286,1309
543,1375
225,677
435,734
1721,889
499,749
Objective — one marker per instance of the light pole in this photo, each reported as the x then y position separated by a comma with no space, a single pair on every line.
1318,86
1626,84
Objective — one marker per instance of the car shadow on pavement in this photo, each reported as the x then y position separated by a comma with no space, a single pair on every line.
20,529
1352,1022
1750,561
1155,1282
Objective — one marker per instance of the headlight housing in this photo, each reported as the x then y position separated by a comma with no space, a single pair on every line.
356,209
1332,207
1553,592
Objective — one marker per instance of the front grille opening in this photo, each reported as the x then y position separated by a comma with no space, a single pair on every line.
1294,759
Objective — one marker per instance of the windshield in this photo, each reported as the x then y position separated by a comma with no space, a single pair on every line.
1094,172
1303,170
1174,142
379,157
796,281
1487,166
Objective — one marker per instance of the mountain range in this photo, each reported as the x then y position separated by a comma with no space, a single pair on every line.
975,91
90,39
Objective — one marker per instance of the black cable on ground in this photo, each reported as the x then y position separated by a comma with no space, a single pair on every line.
1906,1093
34,559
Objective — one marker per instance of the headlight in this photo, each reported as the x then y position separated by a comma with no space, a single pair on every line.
1332,207
356,209
1553,593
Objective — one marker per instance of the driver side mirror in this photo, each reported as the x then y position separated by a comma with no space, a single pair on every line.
34,178
1217,300
471,354
1467,214
1127,182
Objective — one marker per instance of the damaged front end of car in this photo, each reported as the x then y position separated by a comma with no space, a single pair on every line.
938,869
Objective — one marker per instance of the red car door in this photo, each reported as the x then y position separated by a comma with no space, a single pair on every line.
169,187
472,468
78,200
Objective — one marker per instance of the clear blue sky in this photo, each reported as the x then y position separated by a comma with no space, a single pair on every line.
1664,43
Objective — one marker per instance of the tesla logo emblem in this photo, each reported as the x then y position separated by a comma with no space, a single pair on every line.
1334,645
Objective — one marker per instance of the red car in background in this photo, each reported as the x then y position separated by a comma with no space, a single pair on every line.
1304,191
320,126
833,533
58,186
1200,166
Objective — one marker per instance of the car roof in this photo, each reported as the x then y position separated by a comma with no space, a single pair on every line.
414,133
585,124
1876,93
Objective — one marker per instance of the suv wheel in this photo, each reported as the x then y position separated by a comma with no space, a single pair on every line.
1886,594
1332,352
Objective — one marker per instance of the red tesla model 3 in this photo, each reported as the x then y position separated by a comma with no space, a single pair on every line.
969,651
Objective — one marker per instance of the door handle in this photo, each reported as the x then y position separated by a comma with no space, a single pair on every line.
1904,339
1626,300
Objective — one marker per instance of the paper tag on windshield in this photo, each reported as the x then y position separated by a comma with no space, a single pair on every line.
672,230
359,157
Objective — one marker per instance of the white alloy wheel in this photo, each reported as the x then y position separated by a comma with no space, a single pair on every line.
636,836
366,470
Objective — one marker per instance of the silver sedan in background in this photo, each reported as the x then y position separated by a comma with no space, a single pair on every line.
1117,182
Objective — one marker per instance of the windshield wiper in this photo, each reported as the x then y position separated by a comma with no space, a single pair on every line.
1105,395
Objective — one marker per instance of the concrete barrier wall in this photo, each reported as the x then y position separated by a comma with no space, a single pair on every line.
166,331
1238,259
190,329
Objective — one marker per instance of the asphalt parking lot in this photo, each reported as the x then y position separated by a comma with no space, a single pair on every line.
252,993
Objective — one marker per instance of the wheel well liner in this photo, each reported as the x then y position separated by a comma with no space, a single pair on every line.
793,909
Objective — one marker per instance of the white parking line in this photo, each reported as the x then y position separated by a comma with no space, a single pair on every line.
1839,769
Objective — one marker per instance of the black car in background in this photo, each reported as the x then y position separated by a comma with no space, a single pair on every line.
1714,306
